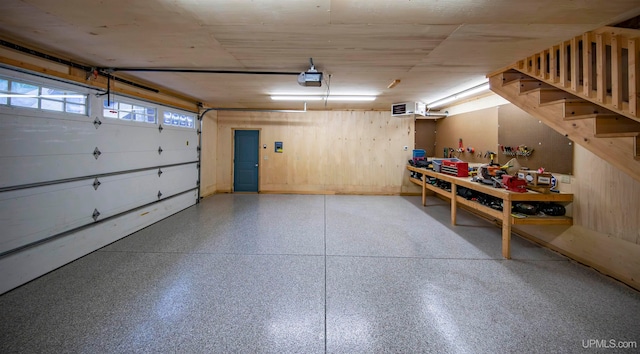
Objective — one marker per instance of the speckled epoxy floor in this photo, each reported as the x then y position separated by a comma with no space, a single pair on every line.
312,274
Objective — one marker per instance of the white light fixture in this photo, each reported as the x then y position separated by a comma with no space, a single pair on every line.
297,98
17,95
322,98
462,94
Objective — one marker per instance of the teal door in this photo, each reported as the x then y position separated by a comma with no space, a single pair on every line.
246,157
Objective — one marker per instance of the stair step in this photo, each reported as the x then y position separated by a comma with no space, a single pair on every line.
527,85
616,126
592,116
617,135
563,101
512,76
581,108
550,95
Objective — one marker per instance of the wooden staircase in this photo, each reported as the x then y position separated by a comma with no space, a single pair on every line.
588,89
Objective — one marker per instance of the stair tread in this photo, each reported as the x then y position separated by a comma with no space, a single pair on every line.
593,115
542,89
617,135
565,100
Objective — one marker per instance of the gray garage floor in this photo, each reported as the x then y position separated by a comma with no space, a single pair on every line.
313,274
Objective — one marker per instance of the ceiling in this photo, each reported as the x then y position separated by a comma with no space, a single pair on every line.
435,47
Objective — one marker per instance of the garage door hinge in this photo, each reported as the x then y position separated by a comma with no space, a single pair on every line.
96,183
159,194
199,132
198,149
96,153
97,123
159,150
96,214
159,172
160,128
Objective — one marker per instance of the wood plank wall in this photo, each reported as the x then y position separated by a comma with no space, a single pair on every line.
608,200
209,150
325,152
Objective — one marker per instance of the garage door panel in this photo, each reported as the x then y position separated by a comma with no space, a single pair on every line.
178,179
29,136
35,169
178,156
36,261
123,138
30,215
179,138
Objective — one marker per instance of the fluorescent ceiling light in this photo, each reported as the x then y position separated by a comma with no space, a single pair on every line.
466,93
297,98
352,98
322,98
17,95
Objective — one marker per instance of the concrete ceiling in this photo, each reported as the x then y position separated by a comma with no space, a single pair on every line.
435,47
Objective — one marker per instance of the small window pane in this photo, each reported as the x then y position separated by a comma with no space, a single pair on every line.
124,115
126,107
58,94
167,118
52,105
151,119
76,108
109,113
175,119
190,122
20,87
3,100
25,102
138,109
4,85
151,111
81,100
107,104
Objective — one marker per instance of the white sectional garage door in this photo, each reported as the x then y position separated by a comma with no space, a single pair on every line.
80,170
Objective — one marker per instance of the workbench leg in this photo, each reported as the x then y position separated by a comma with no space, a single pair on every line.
506,229
454,205
424,190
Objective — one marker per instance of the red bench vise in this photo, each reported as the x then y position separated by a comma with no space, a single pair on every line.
514,184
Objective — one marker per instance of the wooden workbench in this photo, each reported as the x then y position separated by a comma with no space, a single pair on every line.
507,197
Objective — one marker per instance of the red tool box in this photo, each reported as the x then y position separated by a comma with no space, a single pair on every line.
455,168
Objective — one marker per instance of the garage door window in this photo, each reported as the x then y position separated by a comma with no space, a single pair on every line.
179,119
29,95
128,111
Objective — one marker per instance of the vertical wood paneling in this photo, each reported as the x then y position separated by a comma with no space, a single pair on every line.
324,151
606,200
209,147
